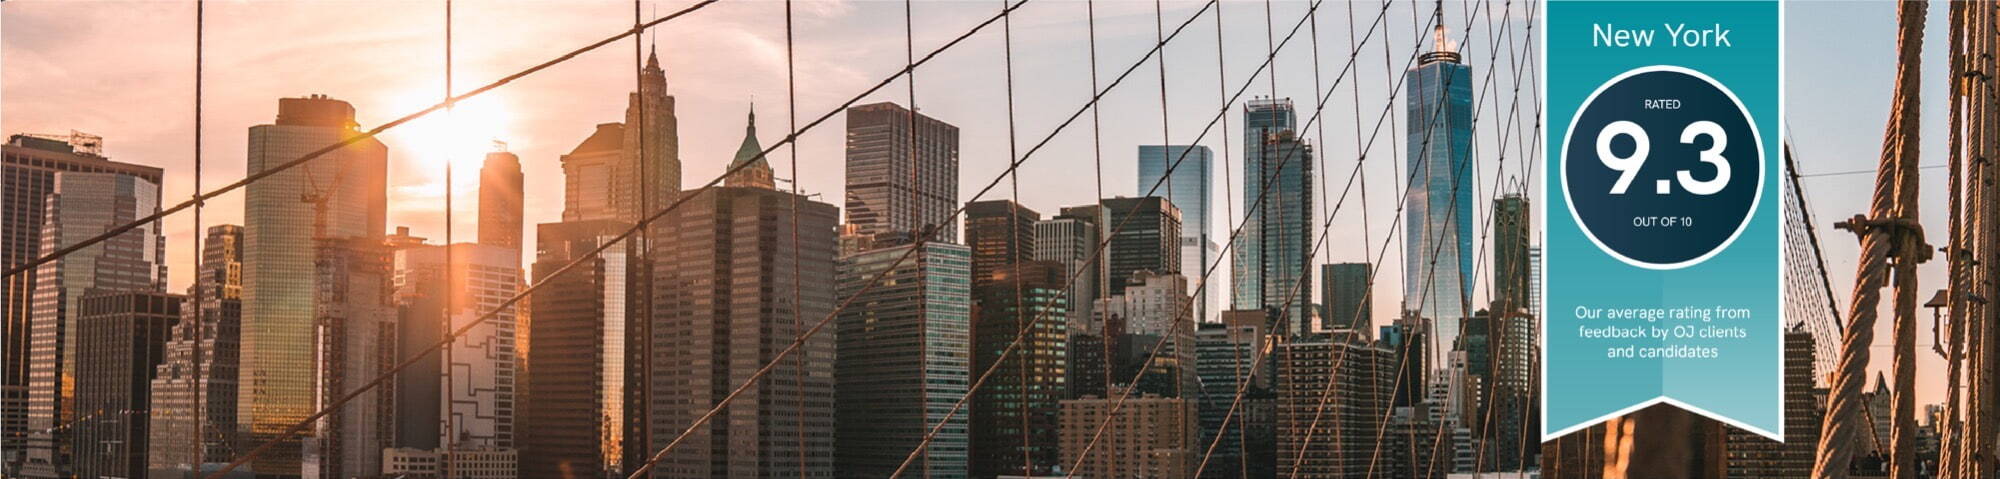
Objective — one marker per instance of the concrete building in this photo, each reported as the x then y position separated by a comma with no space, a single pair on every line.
577,423
29,167
1023,398
121,337
1226,356
1145,236
1751,455
726,302
902,360
354,341
1190,188
349,198
198,377
1333,399
1071,239
1147,436
902,171
77,206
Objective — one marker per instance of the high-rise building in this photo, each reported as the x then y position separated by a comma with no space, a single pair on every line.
1152,312
727,299
652,148
1145,237
758,174
1333,398
1262,117
1023,398
1511,230
31,165
1189,189
1345,292
1437,219
500,201
1071,239
354,341
589,173
179,395
1751,455
121,337
342,194
1535,281
1001,234
1226,356
575,428
1271,269
902,171
902,360
1146,436
81,205
470,280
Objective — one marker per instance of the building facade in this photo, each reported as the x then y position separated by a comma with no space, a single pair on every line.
902,360
727,299
122,337
1145,436
1071,239
1227,356
1023,399
1345,292
350,200
354,341
500,201
902,171
577,423
1437,216
1001,234
1270,265
1190,169
1333,399
1512,235
198,378
1145,236
463,282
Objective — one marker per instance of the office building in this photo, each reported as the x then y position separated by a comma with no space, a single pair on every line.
588,172
1270,265
1001,234
30,168
1751,455
80,205
500,201
1071,239
902,171
1333,398
1535,281
1345,291
1191,168
355,325
1228,355
1145,436
464,282
1023,398
728,297
1437,218
1145,237
651,169
197,379
1511,238
758,173
902,360
121,337
1151,314
342,194
576,426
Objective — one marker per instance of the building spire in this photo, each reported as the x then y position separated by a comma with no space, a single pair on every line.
758,174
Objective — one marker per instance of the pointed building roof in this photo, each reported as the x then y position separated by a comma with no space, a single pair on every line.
653,58
607,137
757,174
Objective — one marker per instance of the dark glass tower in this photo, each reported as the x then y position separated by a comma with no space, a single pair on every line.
1270,266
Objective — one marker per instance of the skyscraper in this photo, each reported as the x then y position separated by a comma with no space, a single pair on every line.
1333,397
589,173
354,341
1345,294
1001,233
1189,190
475,279
1511,230
1071,239
1226,356
576,425
902,171
349,198
121,337
1146,238
1145,436
31,165
758,174
652,148
1751,455
1270,269
81,205
726,302
1437,221
1023,398
500,201
901,360
175,385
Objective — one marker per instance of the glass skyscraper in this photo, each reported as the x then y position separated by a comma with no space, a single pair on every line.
1437,261
1190,190
1270,262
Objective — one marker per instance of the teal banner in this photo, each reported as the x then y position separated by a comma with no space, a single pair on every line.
1661,247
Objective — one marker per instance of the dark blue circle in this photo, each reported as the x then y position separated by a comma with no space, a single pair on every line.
1642,225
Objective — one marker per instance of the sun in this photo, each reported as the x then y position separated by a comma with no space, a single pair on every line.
460,137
